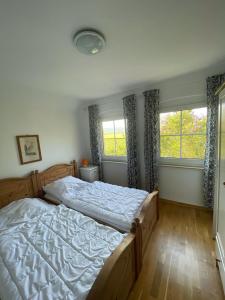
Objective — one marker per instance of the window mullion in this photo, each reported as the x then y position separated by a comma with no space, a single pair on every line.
181,118
115,146
102,140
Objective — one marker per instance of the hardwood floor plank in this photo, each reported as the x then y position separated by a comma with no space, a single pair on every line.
179,263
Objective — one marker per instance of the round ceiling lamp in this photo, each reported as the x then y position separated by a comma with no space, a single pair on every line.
89,42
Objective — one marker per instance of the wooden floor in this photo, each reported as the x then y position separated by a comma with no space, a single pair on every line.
180,260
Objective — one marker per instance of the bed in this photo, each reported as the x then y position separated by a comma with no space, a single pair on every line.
146,213
49,251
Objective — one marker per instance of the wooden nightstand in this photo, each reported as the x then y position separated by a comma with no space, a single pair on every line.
89,173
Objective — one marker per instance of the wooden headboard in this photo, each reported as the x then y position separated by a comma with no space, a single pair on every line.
53,173
12,189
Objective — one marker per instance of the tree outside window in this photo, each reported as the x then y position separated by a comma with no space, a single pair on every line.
114,138
183,133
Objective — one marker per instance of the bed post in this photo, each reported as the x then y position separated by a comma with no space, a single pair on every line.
34,183
157,203
39,187
136,229
75,170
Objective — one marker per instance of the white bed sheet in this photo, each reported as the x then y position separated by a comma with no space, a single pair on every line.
50,252
111,204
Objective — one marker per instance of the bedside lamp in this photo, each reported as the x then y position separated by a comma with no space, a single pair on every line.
84,163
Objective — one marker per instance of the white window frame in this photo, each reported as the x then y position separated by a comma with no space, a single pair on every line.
186,162
114,157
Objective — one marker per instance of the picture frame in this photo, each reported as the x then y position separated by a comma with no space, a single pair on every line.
29,148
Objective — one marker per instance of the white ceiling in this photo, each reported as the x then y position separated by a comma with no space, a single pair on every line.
147,41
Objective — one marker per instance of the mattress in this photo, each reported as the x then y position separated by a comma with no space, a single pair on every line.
50,252
110,204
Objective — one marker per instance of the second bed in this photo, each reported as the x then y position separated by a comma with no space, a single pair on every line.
125,209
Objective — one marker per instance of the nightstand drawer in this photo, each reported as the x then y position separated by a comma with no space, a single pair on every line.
89,174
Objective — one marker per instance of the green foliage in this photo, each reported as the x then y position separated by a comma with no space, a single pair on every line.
193,122
193,146
114,147
114,138
170,123
183,134
109,146
170,146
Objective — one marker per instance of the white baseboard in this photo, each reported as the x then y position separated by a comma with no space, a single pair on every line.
221,259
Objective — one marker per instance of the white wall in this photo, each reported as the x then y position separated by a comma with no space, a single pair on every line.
53,118
183,184
115,172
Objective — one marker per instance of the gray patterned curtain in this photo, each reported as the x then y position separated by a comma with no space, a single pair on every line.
95,137
151,139
129,108
213,83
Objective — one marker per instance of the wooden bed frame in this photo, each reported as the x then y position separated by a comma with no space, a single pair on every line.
142,226
119,272
53,173
12,189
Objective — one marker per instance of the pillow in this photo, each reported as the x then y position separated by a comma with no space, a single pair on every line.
55,189
70,179
59,187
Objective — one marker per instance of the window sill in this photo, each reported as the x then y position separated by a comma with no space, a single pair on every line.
181,166
182,163
114,161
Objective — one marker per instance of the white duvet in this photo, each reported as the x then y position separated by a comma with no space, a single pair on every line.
114,205
50,252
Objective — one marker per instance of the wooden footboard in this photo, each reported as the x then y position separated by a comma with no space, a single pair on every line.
147,219
118,274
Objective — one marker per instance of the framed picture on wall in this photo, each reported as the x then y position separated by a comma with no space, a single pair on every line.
29,148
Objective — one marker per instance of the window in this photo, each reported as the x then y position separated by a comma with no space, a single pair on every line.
114,138
183,134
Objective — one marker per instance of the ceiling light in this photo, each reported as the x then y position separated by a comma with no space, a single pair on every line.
89,42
